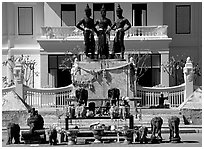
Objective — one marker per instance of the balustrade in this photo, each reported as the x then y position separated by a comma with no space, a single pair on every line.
48,97
150,95
6,90
134,31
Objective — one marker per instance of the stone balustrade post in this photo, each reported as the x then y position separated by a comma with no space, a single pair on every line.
19,74
188,78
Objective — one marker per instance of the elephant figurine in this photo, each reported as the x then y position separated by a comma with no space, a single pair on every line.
141,133
173,122
156,124
13,131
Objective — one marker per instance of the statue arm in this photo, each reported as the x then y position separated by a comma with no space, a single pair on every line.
79,25
109,26
128,25
113,26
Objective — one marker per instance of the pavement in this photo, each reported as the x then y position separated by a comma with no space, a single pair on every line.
187,140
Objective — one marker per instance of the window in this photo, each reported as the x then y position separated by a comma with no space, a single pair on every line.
149,69
139,14
25,20
109,11
183,19
68,14
57,77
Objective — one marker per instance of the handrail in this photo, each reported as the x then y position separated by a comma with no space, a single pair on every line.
135,31
151,95
8,89
48,90
161,89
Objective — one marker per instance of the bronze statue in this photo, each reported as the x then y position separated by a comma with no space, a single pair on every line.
88,30
104,25
118,44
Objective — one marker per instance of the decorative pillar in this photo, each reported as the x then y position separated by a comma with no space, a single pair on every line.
10,63
188,78
19,73
164,76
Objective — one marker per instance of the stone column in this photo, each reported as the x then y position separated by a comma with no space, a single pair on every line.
10,64
188,78
164,78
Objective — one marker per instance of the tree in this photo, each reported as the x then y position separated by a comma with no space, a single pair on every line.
139,66
28,68
175,70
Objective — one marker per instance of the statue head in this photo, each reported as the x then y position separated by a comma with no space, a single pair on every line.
119,11
87,11
103,11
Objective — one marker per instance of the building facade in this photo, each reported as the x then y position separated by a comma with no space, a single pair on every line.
45,31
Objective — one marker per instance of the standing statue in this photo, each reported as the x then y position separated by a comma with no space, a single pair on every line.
173,122
104,25
88,30
119,26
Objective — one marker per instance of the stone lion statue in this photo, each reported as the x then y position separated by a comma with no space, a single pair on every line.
173,122
13,131
156,124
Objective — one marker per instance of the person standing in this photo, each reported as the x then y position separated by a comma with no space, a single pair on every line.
88,30
119,27
104,25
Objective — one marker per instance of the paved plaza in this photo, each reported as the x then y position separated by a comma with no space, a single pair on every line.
187,140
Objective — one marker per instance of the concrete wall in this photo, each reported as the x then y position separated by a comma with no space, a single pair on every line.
184,45
53,12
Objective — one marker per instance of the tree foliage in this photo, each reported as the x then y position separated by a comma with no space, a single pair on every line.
28,69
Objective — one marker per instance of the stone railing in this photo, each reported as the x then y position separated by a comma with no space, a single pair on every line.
150,95
7,90
135,31
48,97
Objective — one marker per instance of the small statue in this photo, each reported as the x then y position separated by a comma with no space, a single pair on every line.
114,111
80,110
173,122
113,95
13,131
82,96
52,133
88,30
124,108
141,133
118,44
35,121
70,111
156,124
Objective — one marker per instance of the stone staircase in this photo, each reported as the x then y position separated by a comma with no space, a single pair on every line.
51,118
